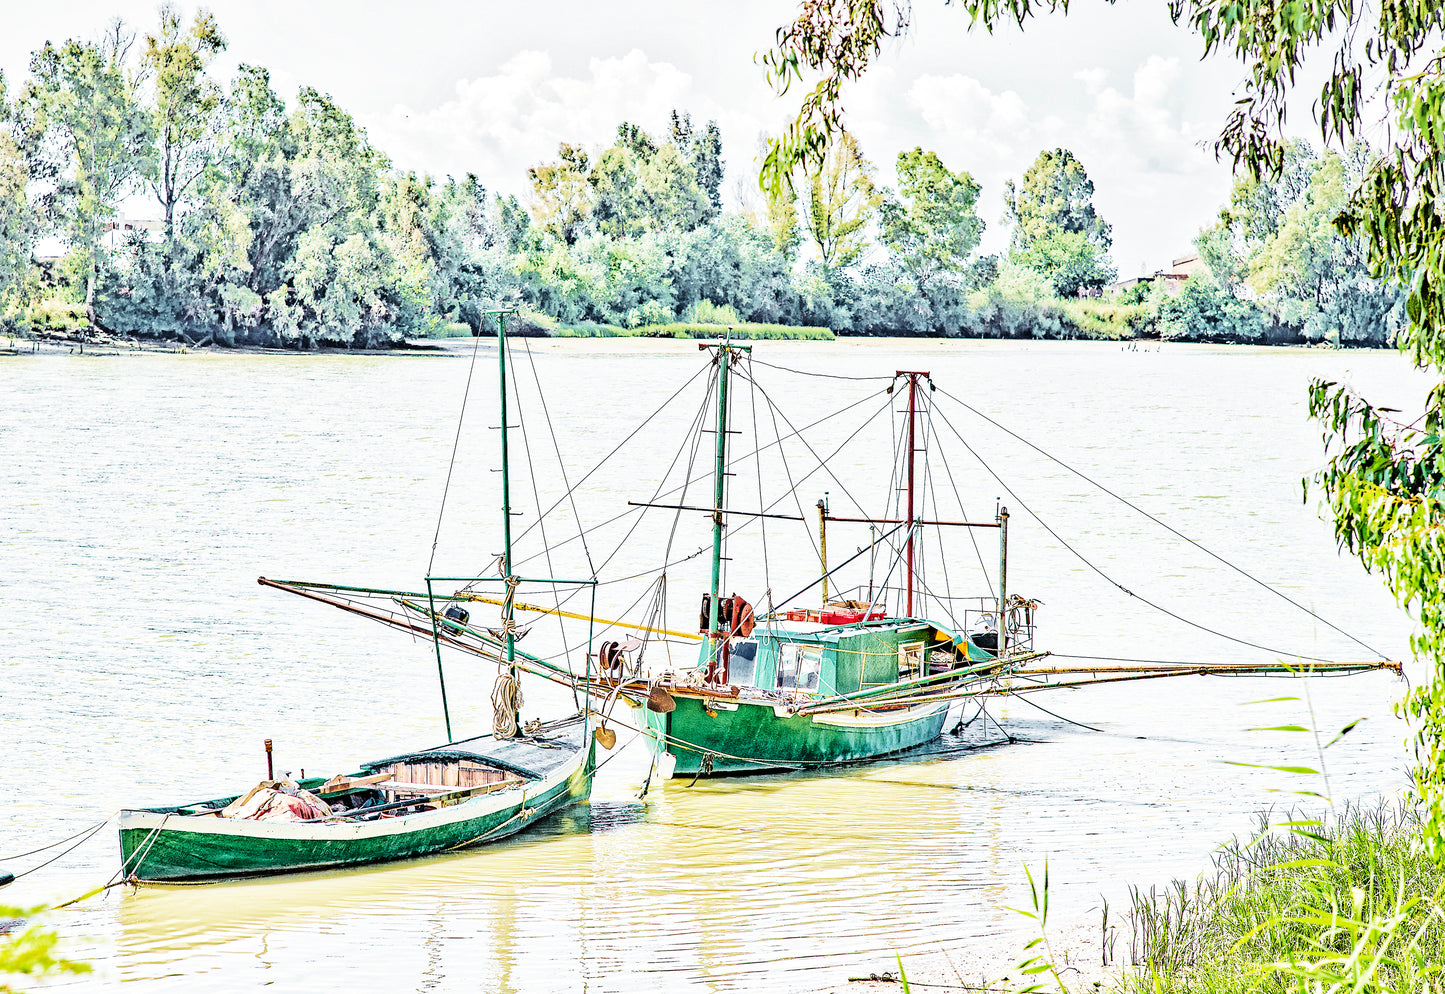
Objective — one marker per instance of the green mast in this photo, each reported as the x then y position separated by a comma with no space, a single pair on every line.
726,356
509,640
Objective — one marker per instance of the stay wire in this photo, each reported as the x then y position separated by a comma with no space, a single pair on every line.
456,443
634,510
825,376
931,431
1174,531
1109,579
1051,714
758,466
537,503
571,493
748,523
788,474
822,463
972,537
620,445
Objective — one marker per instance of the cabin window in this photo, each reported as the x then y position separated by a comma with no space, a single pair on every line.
743,664
799,666
910,660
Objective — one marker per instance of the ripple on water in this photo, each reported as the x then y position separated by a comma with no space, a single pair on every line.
143,665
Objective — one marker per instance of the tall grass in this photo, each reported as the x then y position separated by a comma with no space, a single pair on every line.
1353,904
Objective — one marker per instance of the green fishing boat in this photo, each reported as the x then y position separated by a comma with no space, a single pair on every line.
853,680
463,793
870,672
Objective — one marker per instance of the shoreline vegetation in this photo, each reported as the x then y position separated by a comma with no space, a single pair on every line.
1351,901
205,209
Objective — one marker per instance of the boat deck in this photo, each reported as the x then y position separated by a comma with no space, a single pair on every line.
533,756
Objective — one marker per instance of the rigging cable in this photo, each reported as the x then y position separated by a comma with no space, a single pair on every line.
562,466
537,500
620,445
1051,714
461,416
758,465
635,510
1173,531
824,376
1080,556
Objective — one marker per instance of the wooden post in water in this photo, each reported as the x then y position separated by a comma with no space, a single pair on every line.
1002,580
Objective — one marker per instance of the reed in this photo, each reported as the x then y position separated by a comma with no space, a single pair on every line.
29,950
1353,903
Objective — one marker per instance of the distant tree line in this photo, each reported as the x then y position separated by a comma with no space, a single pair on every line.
282,224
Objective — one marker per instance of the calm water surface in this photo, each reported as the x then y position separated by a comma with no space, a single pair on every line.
140,664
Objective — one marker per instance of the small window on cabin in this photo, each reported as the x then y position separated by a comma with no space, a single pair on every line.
799,666
743,664
910,660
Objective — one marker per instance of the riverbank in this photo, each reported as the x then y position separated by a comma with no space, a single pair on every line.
75,343
1348,900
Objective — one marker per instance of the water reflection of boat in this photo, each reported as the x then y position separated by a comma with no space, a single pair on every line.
460,794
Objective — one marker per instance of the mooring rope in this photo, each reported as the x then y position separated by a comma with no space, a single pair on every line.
21,855
88,834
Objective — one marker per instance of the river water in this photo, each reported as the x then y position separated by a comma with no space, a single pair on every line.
140,664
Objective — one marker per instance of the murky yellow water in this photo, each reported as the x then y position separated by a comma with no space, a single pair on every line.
140,664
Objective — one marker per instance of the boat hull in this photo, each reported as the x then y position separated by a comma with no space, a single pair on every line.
739,737
158,846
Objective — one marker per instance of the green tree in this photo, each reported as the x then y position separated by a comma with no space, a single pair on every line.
561,194
842,199
1055,227
18,221
703,151
932,223
185,103
85,97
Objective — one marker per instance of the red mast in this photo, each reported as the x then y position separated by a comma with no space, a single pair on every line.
912,446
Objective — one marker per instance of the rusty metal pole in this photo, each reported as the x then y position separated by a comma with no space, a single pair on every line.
270,770
1002,580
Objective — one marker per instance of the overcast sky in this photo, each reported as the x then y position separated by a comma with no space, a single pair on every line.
450,87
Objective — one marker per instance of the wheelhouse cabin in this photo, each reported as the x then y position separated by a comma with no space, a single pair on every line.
801,657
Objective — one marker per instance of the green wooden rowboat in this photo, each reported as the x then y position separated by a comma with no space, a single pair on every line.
437,800
465,793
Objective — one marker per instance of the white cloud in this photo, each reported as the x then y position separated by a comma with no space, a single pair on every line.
1153,182
1093,79
498,125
